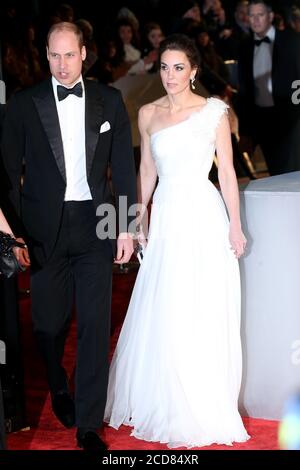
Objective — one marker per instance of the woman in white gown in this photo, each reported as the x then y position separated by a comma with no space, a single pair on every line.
176,371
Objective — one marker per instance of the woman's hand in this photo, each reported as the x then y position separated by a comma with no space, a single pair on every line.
237,241
151,57
22,254
142,239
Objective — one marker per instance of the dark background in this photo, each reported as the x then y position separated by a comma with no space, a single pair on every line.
101,11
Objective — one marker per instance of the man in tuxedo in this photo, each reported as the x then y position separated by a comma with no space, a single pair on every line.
269,64
68,131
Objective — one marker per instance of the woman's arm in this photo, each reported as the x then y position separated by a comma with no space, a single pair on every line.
21,253
229,186
147,175
4,227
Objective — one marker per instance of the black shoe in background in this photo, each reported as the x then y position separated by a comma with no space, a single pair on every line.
64,409
90,440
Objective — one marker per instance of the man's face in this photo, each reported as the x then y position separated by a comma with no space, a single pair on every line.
260,19
242,15
296,25
65,57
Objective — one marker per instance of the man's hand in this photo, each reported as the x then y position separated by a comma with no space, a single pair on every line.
22,254
124,248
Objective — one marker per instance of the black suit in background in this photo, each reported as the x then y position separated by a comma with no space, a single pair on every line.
276,128
68,260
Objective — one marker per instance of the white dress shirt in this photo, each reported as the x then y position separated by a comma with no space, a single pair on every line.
71,114
262,70
131,53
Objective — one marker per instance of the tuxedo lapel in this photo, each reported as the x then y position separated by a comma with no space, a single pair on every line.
45,104
93,119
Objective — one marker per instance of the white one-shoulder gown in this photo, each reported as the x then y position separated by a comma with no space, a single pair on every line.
176,371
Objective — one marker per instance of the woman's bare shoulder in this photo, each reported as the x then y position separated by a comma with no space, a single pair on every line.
150,108
148,111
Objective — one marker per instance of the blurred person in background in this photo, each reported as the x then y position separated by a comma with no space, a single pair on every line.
153,36
269,65
294,18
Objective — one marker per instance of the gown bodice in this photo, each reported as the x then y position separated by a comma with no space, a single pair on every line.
187,149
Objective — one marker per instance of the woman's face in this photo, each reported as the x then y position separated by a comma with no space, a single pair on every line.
203,39
125,33
155,37
175,71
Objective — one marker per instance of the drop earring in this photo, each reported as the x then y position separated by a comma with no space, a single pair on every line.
192,83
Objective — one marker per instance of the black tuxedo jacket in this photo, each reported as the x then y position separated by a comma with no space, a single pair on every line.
285,70
32,135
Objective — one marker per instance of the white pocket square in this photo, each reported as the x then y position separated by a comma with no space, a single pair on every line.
104,127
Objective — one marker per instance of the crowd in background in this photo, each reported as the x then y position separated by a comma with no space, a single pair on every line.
126,40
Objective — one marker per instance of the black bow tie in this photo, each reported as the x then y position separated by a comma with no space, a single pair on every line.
63,92
258,42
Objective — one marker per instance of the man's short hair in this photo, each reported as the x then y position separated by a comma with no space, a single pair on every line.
266,3
66,26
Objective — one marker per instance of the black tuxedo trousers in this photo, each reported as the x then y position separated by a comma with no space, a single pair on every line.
78,272
267,131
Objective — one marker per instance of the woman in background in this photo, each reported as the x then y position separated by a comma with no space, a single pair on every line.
4,227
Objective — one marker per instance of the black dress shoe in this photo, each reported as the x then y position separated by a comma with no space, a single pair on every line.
91,441
64,409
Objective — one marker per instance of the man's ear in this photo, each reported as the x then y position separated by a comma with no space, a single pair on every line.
47,52
271,16
83,53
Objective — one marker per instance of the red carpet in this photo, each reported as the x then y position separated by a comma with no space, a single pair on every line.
45,431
